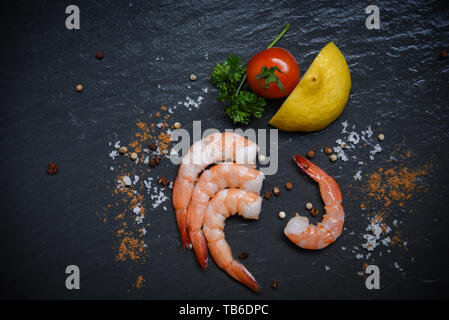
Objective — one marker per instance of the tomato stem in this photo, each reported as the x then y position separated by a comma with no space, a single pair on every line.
269,46
279,36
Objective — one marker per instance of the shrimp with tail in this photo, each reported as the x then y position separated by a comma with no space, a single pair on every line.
225,203
319,236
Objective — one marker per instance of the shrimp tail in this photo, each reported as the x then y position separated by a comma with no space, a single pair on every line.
238,271
181,219
309,168
200,246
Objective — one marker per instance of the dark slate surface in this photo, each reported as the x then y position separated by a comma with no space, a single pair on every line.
399,87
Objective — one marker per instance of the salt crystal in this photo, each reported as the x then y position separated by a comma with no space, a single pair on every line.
136,210
377,149
354,137
368,132
358,176
386,241
113,154
345,125
139,219
127,180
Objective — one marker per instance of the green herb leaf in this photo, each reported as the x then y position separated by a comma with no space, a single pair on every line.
241,106
270,76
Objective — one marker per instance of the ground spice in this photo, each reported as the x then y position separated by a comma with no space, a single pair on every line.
382,193
127,212
397,183
140,281
131,248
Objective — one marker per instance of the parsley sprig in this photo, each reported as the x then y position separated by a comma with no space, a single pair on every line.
240,105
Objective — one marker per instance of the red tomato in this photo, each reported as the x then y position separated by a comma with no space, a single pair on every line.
278,58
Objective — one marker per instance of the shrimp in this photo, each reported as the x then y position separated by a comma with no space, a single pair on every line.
210,182
214,148
319,236
225,203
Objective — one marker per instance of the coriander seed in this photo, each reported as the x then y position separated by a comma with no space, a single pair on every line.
309,206
243,255
193,77
262,158
311,154
177,125
276,191
123,150
133,156
282,215
52,168
333,157
289,185
381,137
79,87
327,150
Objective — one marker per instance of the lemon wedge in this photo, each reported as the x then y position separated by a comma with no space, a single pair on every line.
320,96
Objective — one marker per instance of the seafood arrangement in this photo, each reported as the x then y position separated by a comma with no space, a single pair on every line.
204,198
203,203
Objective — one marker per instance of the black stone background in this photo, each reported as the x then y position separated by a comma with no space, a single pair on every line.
399,87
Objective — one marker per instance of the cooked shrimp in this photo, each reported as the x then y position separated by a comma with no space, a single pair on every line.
319,236
214,148
211,181
225,203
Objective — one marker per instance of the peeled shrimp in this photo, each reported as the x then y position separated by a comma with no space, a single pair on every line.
319,236
211,181
216,147
225,203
